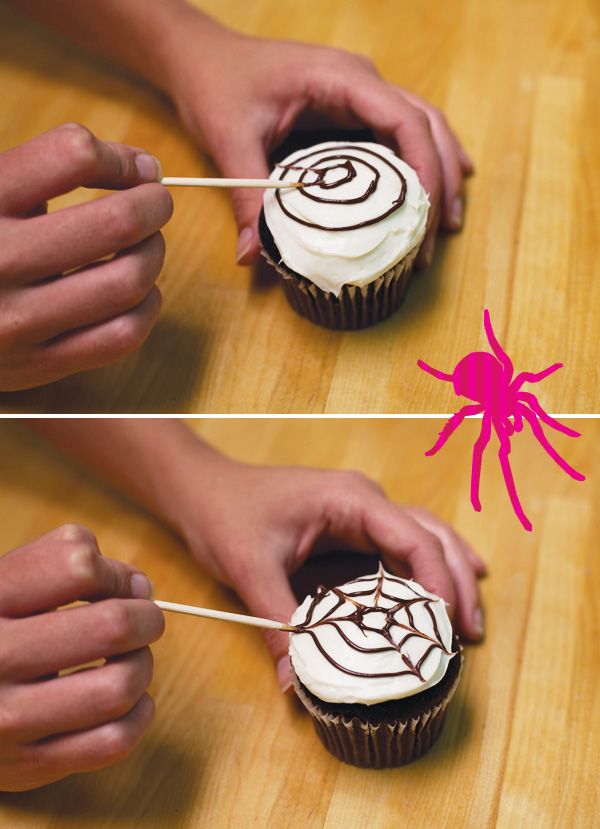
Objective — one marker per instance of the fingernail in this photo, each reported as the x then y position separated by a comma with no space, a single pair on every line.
244,244
428,251
148,167
141,586
456,212
283,674
478,622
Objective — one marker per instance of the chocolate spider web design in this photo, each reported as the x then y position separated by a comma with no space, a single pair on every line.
357,617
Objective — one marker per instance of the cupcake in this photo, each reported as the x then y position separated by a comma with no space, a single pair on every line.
346,240
375,663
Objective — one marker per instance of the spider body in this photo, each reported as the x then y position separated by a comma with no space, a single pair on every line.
481,377
487,380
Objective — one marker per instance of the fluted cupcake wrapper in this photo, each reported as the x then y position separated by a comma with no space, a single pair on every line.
384,745
355,307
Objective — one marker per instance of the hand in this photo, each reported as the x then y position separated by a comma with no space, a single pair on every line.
254,526
240,96
50,725
62,310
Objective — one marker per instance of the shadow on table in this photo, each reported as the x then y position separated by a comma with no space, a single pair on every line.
167,369
158,378
156,785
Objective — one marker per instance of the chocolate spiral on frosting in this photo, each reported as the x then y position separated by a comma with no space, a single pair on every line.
347,162
358,618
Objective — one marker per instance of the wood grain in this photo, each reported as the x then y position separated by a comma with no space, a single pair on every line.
523,735
520,84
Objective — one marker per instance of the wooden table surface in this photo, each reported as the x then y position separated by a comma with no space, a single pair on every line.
520,82
521,742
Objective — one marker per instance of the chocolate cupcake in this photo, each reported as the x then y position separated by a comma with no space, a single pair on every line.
375,663
345,241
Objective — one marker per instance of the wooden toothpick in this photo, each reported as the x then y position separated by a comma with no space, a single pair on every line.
222,615
229,182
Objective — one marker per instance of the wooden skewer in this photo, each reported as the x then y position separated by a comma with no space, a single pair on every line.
229,182
223,615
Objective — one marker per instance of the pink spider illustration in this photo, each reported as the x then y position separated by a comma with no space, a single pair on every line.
488,379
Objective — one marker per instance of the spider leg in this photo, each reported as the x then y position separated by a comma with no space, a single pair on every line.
480,444
503,456
518,420
543,415
543,440
452,425
534,376
435,372
499,352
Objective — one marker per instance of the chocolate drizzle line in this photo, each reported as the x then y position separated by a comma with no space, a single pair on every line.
358,618
345,162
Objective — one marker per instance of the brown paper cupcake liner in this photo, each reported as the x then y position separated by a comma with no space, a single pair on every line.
381,745
355,307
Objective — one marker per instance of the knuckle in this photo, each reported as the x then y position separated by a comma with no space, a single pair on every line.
137,281
353,478
167,202
364,61
128,334
9,724
79,143
11,262
116,624
142,271
122,220
75,532
120,691
117,741
159,249
421,120
82,561
12,329
435,543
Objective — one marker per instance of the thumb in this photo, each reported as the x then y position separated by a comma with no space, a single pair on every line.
67,157
269,594
245,160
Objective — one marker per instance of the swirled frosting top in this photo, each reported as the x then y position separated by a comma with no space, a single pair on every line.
362,209
374,639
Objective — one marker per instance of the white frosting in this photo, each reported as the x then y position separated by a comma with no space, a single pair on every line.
332,259
329,683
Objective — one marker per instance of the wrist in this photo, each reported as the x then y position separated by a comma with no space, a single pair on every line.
185,492
191,49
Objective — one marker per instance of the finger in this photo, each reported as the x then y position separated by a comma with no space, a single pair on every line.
402,539
78,235
244,157
92,294
61,567
477,563
95,748
64,158
469,618
98,345
467,166
452,174
465,566
268,594
381,107
79,701
38,646
448,537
